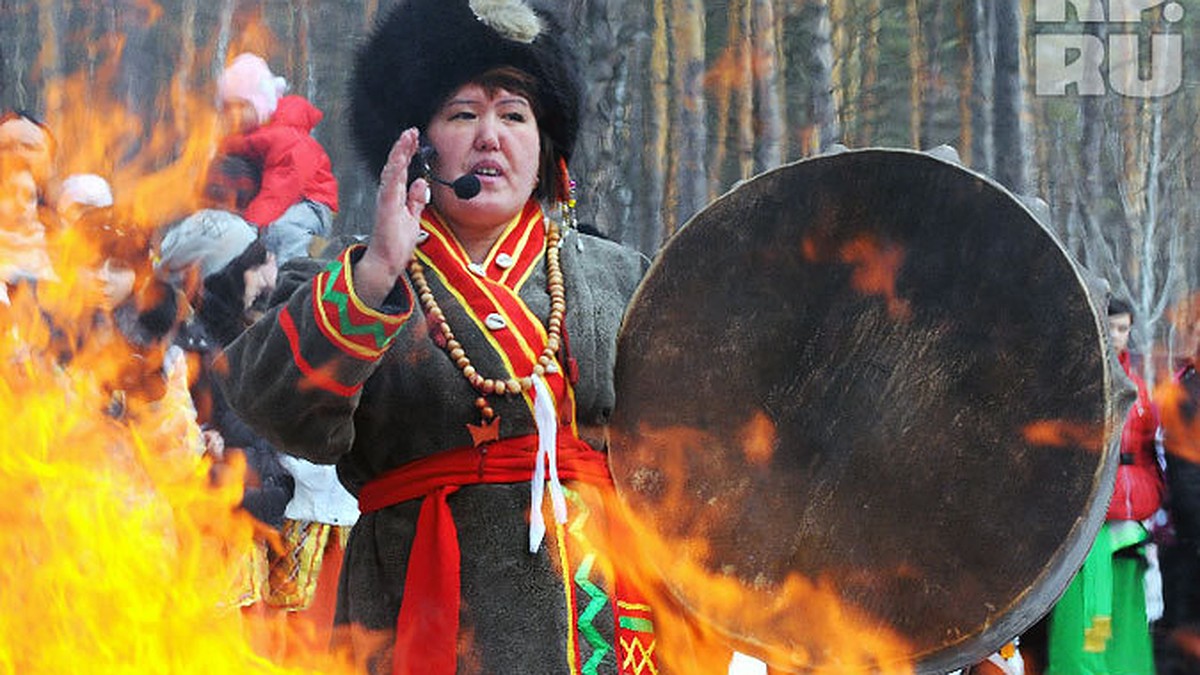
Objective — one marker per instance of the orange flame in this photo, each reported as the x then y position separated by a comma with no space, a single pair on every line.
758,439
875,267
1180,423
703,609
120,552
1063,433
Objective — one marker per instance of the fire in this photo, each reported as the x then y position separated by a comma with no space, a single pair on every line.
1063,434
118,551
144,159
875,265
1181,425
758,439
705,606
121,553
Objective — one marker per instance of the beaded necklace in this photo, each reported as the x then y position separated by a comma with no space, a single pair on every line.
489,429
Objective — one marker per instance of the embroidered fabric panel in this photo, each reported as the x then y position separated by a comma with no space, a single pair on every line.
635,639
315,376
293,576
594,644
344,319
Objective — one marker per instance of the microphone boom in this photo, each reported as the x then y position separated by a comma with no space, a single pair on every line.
465,186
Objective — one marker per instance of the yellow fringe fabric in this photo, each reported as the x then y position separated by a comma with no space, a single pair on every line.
293,576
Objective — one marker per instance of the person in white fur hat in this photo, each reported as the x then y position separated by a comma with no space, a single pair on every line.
298,196
82,194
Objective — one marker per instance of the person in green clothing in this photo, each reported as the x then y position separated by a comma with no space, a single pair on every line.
1099,625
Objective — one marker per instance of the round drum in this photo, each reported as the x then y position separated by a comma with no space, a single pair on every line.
868,397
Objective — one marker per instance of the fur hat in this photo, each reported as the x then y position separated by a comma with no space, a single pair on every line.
249,78
424,50
208,239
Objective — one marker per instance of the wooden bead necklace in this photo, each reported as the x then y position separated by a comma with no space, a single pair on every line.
547,361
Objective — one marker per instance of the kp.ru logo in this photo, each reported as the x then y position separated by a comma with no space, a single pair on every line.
1063,59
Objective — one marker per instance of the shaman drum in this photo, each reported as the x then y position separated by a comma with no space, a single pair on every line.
867,397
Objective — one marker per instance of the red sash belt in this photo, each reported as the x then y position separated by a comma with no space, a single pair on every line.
427,626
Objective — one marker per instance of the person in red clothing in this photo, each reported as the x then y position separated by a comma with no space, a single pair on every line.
1099,625
298,194
1140,489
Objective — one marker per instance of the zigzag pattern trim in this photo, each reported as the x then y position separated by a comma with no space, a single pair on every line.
600,647
342,301
639,658
353,327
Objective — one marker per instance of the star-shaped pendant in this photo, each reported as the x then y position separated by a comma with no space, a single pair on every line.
486,431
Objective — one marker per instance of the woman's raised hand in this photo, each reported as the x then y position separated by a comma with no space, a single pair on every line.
397,222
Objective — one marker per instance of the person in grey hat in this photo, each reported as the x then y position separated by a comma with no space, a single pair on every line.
441,365
201,245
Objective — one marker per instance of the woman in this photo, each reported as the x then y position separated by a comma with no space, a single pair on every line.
417,363
1100,625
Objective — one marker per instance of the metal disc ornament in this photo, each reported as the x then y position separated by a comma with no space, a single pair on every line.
871,394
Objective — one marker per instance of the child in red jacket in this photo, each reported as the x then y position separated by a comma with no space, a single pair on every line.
299,194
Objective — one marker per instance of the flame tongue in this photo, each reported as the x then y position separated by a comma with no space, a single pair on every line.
120,554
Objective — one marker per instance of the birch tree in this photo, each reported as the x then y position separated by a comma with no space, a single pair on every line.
1011,164
983,66
768,108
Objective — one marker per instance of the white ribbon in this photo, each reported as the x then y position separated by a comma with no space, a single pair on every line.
546,419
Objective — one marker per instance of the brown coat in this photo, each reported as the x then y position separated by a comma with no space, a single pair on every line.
414,402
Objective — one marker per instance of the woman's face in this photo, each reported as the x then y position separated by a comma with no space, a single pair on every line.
260,281
18,199
495,137
116,283
29,141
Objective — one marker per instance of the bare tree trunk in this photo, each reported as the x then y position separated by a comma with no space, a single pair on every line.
966,82
916,74
48,59
656,160
599,164
1011,163
980,26
1066,196
732,95
303,50
744,86
868,103
931,79
814,31
1091,122
846,63
768,119
1156,270
185,69
688,128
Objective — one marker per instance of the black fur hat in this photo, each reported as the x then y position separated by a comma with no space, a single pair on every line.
424,50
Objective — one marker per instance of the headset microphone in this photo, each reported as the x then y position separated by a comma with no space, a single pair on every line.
465,186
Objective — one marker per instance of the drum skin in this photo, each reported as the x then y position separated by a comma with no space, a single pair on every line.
874,373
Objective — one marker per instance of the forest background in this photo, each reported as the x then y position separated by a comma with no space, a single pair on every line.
1090,106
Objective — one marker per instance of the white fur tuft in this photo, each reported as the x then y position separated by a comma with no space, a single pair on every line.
512,19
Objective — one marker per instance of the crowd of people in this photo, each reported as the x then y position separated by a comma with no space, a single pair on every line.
403,403
162,302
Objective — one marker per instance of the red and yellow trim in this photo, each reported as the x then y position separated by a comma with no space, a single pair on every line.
312,375
497,291
352,326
